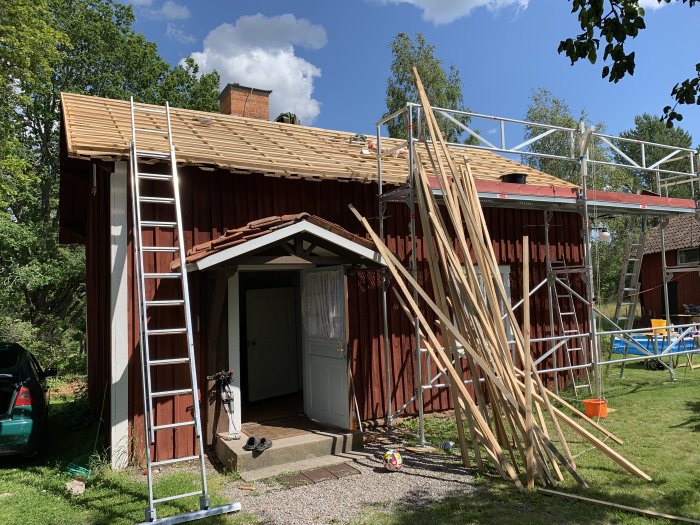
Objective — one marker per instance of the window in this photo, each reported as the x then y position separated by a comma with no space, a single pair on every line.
689,256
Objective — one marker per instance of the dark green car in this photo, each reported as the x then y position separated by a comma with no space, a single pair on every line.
24,400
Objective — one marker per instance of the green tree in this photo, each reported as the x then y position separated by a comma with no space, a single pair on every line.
612,22
443,87
650,129
545,108
50,46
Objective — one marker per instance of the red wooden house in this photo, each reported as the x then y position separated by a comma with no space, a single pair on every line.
265,205
682,246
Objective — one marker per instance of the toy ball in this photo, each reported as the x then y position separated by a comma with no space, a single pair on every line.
392,460
447,446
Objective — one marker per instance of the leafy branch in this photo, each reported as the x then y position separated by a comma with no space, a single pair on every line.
624,19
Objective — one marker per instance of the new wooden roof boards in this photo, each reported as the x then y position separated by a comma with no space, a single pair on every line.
101,128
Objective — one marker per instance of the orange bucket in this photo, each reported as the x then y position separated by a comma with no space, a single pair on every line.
596,408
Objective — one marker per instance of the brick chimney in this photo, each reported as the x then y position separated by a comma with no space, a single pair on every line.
245,102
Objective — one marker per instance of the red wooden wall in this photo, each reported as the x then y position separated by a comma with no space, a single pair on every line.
652,296
215,201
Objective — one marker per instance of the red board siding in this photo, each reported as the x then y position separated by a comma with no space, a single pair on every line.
215,201
652,296
97,276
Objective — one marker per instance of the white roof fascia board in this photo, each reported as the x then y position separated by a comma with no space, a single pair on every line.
280,235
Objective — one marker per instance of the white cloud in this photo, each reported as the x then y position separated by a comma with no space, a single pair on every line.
258,51
140,3
446,11
174,11
651,4
177,33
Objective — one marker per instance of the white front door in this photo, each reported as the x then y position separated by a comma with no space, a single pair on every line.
326,375
271,343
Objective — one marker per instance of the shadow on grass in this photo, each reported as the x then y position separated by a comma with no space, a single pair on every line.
494,504
70,435
110,497
498,503
693,422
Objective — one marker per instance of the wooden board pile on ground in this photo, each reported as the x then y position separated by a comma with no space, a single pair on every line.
512,418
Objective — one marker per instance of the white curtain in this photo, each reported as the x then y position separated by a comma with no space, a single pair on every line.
321,304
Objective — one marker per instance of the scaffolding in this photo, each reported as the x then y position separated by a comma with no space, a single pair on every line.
677,167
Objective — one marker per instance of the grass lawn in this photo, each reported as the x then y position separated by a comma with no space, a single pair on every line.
659,422
32,491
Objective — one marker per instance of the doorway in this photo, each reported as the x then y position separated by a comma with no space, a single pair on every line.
270,342
288,346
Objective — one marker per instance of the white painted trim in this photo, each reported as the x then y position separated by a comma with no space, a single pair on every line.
119,315
280,235
234,344
271,267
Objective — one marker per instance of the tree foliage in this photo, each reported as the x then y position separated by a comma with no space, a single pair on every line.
545,108
443,86
46,47
650,129
611,23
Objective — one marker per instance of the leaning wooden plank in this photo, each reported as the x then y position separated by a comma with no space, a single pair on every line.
434,256
611,453
472,431
439,293
584,417
473,197
529,437
485,262
400,273
498,342
543,425
644,512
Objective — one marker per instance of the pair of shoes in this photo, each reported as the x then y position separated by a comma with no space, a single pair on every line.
254,444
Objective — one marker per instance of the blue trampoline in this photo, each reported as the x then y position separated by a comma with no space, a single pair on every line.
654,345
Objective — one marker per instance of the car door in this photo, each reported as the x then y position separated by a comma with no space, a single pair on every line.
38,373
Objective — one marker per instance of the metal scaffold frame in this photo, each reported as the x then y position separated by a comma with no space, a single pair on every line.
678,166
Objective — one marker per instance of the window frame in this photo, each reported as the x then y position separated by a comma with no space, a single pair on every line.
695,262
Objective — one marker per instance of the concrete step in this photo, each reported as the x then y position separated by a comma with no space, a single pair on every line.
295,466
314,444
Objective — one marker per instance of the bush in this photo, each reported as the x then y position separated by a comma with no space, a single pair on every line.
63,349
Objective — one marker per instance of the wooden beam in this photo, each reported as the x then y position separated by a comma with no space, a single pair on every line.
644,512
529,435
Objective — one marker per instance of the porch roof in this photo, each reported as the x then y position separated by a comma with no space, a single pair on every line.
288,240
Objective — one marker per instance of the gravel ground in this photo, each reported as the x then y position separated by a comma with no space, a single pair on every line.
423,479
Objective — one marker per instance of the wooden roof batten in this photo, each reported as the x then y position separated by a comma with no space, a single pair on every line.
99,127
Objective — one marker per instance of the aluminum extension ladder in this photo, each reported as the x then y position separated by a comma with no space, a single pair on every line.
569,325
628,288
151,126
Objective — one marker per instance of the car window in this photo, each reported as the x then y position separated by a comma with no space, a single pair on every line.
35,365
9,358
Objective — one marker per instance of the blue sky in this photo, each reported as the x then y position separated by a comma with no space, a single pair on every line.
328,60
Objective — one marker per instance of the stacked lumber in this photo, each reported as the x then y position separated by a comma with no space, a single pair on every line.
511,420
